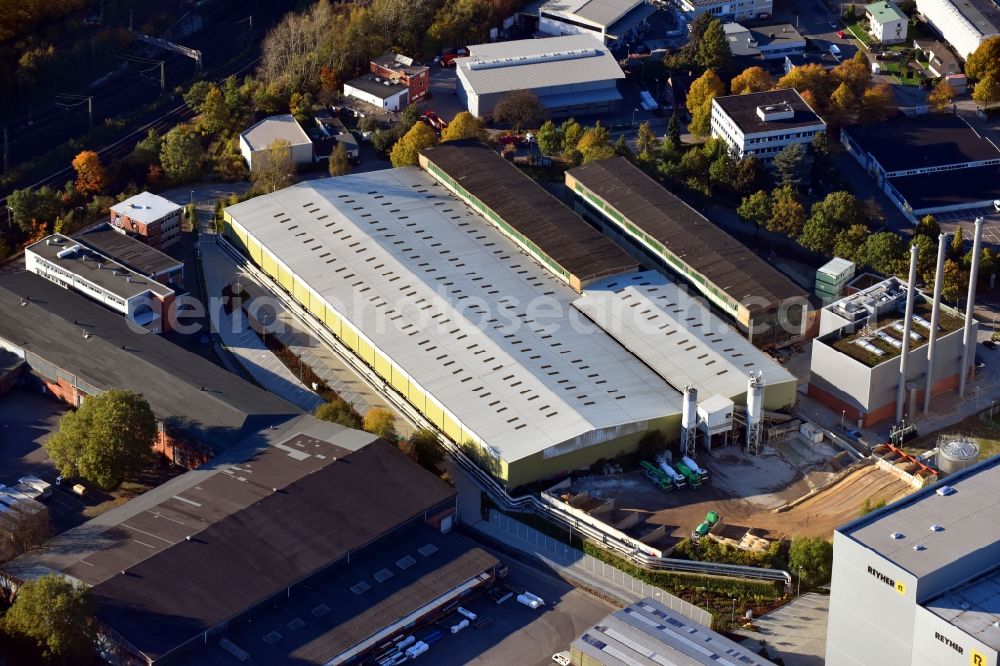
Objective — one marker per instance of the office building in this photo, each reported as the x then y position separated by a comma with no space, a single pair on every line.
402,69
134,255
765,123
733,10
152,218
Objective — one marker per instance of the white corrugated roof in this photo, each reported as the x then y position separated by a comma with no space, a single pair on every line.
482,327
676,335
600,12
263,134
537,63
145,207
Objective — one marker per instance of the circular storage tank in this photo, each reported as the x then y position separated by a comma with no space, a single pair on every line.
957,454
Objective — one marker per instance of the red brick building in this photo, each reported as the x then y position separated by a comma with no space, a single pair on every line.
155,219
400,69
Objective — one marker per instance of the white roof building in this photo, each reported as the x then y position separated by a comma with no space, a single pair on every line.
256,141
677,336
476,334
145,207
565,72
604,19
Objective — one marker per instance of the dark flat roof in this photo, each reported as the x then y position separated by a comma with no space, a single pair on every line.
932,139
381,88
132,253
948,188
743,110
346,619
685,232
984,14
257,541
189,392
527,207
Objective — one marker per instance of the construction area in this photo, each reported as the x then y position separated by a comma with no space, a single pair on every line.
795,487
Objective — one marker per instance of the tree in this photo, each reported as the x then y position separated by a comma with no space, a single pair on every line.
983,64
520,108
181,154
750,175
55,614
463,126
722,171
380,421
814,557
147,151
875,103
407,149
107,440
882,252
821,145
926,256
571,132
819,234
953,281
843,103
274,169
300,105
788,215
594,139
957,243
856,73
22,531
713,49
646,139
339,163
424,448
841,209
751,80
987,91
812,79
699,102
215,112
940,97
89,173
927,226
792,165
849,241
756,208
28,206
674,131
197,94
339,411
622,150
460,22
549,138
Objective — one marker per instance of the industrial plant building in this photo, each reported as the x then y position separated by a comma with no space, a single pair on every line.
73,265
134,255
574,75
647,633
916,583
764,123
855,366
734,10
152,218
451,313
601,19
928,164
71,348
399,68
310,543
763,42
658,227
964,24
384,94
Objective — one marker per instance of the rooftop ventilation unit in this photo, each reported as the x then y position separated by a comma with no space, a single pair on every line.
778,111
896,535
494,63
944,491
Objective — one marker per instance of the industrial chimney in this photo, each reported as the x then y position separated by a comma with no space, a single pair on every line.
755,401
935,320
907,326
689,420
967,342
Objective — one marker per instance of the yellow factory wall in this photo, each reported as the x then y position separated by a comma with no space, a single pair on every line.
525,470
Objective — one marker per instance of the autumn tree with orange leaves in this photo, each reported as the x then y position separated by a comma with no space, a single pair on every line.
89,173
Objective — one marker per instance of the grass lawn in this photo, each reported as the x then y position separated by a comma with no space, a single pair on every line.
857,29
986,434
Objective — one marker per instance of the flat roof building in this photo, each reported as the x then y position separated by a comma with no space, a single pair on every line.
657,225
764,123
256,142
964,24
149,216
526,213
383,93
444,308
73,265
886,22
403,69
603,19
928,164
917,581
736,10
765,41
572,75
647,633
134,255
75,348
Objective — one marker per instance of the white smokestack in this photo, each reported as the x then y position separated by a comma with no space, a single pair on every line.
967,342
907,326
755,402
935,319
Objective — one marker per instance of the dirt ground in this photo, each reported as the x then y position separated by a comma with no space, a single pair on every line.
745,490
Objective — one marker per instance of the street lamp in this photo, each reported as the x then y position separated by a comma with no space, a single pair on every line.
634,111
843,414
734,611
798,592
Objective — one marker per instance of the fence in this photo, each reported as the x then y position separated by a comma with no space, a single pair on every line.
567,556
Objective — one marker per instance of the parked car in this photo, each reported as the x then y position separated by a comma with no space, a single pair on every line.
435,120
841,34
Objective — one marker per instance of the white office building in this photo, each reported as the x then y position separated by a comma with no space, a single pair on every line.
764,123
736,10
963,23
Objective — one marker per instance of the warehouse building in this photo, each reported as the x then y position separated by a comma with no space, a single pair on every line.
647,633
763,42
928,164
657,226
604,19
732,10
73,348
540,224
152,218
572,76
764,123
453,316
964,24
855,365
134,255
256,143
311,544
916,582
72,265
682,341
